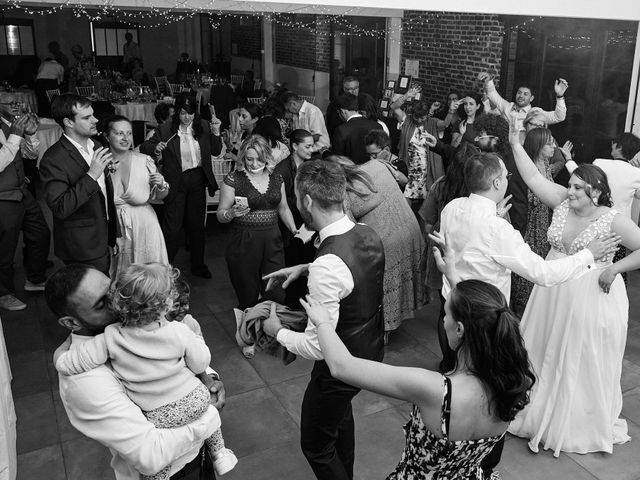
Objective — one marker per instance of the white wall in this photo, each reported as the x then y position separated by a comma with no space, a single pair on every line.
301,81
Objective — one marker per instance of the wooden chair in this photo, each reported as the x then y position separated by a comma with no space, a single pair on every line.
162,85
85,91
175,88
308,98
221,167
256,100
51,94
237,79
257,84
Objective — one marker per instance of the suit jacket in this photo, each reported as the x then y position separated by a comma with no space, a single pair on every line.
171,160
348,138
81,230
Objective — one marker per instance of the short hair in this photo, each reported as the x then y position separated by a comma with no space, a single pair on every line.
61,285
535,140
142,293
494,349
535,112
377,137
629,143
262,148
62,107
346,101
162,111
419,109
349,79
595,177
107,123
526,85
299,135
478,99
289,96
480,170
496,126
274,107
325,182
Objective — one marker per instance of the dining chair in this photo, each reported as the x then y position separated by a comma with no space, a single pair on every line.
257,84
256,100
86,91
51,94
175,88
162,85
221,167
308,98
237,79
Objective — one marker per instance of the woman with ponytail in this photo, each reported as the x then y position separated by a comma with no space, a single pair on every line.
457,418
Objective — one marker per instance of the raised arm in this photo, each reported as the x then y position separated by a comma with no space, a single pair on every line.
492,94
549,192
560,113
415,385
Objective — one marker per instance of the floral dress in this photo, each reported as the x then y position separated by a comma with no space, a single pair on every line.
423,170
427,457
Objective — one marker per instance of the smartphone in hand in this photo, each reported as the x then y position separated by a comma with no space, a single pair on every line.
242,202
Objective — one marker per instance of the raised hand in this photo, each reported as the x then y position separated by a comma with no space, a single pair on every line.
514,130
31,126
435,106
604,245
566,150
18,126
101,159
463,127
560,87
485,77
503,206
215,125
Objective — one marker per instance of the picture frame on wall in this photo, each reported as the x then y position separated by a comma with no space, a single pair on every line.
391,84
384,103
404,81
388,93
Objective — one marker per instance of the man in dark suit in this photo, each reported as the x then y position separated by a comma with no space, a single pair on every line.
78,187
348,138
19,210
349,85
186,143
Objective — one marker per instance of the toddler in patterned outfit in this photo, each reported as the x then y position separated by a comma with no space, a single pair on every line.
156,359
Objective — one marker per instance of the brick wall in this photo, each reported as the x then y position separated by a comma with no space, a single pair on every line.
246,33
452,48
302,41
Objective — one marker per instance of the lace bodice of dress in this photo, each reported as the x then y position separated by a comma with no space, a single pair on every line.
599,226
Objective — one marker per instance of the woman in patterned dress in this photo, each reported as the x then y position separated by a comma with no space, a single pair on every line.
575,332
456,419
540,146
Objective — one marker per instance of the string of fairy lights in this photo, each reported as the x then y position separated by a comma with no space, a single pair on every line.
319,20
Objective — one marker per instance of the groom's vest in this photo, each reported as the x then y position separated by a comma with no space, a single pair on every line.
361,324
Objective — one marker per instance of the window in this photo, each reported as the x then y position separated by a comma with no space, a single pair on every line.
16,37
108,37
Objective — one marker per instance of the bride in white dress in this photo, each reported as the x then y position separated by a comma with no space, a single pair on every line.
575,333
135,181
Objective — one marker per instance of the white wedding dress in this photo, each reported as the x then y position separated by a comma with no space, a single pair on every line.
575,335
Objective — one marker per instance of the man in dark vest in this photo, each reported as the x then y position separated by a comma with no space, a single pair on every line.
346,277
19,210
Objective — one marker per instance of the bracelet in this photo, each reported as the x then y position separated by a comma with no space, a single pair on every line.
559,96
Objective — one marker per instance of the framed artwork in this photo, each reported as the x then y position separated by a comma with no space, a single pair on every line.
385,113
391,84
403,84
388,92
384,103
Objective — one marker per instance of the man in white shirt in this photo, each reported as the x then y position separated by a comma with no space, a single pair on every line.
346,277
96,402
486,247
524,97
308,117
78,188
19,210
50,76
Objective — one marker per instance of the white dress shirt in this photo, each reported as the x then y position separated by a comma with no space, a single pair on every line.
87,154
310,118
97,405
486,247
623,178
189,149
330,280
504,107
50,70
28,146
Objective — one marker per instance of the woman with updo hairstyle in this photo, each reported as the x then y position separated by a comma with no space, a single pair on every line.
252,198
457,418
576,332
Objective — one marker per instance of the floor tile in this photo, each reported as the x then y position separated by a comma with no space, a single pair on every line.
283,462
273,371
87,459
65,429
631,405
214,335
256,421
21,332
36,427
30,373
630,375
42,464
290,394
236,371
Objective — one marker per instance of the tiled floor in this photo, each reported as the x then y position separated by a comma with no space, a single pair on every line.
260,421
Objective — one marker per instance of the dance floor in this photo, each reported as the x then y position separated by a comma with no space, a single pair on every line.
261,419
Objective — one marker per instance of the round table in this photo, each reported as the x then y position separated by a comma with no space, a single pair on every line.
48,133
21,95
142,112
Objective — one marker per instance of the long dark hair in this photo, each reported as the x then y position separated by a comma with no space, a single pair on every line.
356,177
594,177
453,185
478,99
492,345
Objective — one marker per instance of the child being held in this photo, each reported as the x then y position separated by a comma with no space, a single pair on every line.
155,358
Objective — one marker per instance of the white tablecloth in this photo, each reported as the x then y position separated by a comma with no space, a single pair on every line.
48,133
24,96
137,111
8,456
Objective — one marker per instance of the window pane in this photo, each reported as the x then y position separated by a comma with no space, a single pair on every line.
101,46
112,42
26,40
13,39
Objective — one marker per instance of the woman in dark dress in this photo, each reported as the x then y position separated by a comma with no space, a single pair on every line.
470,108
255,248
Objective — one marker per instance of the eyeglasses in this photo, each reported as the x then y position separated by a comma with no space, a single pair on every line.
121,134
480,137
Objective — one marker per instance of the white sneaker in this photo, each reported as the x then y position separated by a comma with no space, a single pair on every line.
11,303
33,287
225,461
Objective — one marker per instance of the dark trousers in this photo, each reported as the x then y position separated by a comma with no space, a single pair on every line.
297,253
251,254
200,468
448,355
42,85
25,216
327,434
183,212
